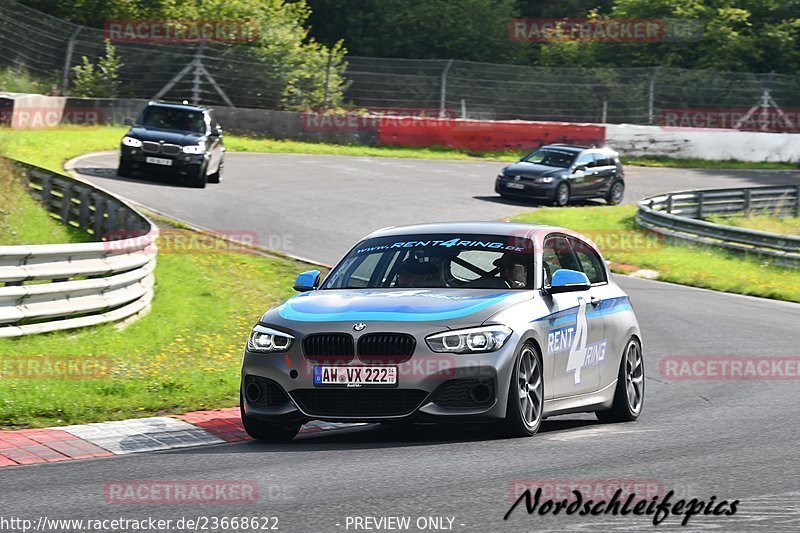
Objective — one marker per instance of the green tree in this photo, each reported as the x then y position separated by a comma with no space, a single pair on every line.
97,80
475,30
737,35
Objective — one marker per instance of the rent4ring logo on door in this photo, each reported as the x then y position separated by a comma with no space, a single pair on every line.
575,338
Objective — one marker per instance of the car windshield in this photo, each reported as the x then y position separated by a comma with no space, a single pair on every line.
166,118
551,158
436,261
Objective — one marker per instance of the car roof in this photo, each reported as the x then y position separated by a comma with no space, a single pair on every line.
503,229
187,107
567,147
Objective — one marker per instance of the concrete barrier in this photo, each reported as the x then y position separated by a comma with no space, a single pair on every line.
18,110
714,144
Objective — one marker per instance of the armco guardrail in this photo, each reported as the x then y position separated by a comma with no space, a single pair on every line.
61,286
679,215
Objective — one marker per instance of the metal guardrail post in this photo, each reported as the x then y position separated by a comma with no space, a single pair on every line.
797,202
669,203
748,202
700,199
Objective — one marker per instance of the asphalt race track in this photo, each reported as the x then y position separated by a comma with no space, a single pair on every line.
730,439
316,206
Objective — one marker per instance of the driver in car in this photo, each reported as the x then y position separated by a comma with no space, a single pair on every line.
413,273
512,270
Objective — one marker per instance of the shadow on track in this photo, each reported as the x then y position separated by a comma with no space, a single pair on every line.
373,436
161,179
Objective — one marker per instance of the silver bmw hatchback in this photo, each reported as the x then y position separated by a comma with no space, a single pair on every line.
452,322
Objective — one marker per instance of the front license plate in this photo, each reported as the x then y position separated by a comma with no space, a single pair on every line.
159,161
515,185
355,376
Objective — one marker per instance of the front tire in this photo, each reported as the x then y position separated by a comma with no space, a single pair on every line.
216,177
199,180
629,393
615,193
125,170
561,196
266,431
525,394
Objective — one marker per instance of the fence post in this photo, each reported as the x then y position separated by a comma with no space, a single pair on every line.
68,60
651,91
748,200
443,89
327,80
700,199
669,204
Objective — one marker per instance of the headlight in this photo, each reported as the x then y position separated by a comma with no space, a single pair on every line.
130,141
501,176
473,340
194,149
547,179
266,340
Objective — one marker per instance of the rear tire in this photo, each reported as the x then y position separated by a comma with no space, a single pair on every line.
525,394
615,193
267,431
629,392
561,196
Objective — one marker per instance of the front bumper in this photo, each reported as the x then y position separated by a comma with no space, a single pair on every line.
431,387
184,164
528,189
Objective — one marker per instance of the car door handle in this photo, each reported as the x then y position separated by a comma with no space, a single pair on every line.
595,301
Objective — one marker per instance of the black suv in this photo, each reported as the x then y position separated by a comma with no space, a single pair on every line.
180,138
558,173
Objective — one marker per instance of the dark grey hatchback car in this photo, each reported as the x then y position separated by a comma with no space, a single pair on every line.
558,173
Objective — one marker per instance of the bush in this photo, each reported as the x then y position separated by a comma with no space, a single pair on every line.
99,80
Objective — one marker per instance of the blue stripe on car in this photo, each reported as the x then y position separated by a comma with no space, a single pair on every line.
605,307
385,309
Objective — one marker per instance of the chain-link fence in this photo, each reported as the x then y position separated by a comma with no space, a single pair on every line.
48,48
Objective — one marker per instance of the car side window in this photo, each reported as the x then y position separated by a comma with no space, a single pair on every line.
556,254
585,159
591,263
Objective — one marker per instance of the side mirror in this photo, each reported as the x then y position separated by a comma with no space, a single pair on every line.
579,168
307,281
565,280
128,122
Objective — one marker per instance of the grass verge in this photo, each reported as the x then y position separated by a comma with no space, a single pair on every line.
615,231
184,355
24,221
772,224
